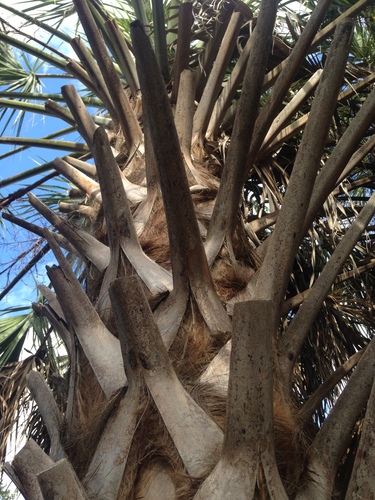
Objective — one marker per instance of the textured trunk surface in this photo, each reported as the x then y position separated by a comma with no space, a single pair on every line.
182,368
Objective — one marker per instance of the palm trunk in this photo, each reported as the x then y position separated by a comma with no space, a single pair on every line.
171,396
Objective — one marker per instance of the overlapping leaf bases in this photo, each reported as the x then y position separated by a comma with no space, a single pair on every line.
225,227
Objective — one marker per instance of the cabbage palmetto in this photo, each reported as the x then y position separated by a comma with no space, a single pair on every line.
218,336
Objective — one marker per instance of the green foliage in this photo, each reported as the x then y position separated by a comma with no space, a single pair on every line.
364,40
5,494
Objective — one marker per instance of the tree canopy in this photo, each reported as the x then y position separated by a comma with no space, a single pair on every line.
222,153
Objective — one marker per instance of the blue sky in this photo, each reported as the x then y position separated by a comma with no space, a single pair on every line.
13,240
34,126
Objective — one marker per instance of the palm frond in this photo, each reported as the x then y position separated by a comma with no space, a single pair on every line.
212,196
13,331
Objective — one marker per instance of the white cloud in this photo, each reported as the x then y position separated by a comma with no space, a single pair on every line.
18,23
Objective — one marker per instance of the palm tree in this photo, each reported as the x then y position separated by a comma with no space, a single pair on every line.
218,338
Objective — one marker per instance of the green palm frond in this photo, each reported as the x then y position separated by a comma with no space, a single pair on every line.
26,48
364,41
30,20
50,11
20,335
26,175
14,76
13,331
15,151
